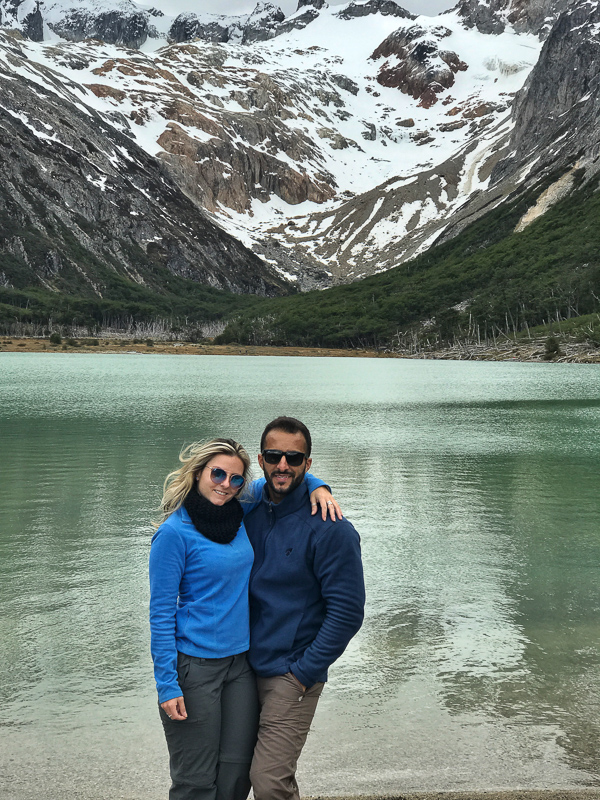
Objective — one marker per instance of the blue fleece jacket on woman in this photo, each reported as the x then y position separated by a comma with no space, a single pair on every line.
199,593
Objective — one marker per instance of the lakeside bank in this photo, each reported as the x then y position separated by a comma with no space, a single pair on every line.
529,351
505,794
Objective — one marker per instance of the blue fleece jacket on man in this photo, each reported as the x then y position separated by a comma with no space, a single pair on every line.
307,589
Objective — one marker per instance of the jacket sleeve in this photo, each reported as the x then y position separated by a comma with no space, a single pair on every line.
313,483
338,567
252,495
167,564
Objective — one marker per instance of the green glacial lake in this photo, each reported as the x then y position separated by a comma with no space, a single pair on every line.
474,487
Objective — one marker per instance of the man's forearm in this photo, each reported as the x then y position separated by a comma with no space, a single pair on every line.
339,568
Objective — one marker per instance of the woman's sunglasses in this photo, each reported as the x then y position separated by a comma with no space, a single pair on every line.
218,475
293,457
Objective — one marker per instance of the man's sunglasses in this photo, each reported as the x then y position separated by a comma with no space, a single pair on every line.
218,475
293,457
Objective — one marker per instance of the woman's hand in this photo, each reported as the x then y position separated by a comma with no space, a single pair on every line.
323,497
175,708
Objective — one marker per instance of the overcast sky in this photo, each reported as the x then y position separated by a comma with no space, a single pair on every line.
431,7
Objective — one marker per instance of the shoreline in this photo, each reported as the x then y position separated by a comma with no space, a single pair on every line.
114,346
479,794
521,351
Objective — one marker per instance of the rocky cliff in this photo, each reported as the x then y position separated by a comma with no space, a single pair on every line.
81,205
421,66
260,25
524,16
114,21
554,141
557,113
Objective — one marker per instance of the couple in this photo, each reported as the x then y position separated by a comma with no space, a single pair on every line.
253,595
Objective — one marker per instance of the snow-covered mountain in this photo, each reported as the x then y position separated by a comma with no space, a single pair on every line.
84,209
342,140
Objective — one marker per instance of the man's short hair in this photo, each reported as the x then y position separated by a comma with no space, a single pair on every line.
287,425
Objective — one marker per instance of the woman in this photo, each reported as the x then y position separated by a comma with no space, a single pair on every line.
200,563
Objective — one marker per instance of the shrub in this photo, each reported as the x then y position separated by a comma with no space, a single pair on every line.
551,348
55,338
149,342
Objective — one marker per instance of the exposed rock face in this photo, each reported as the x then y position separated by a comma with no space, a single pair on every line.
394,203
526,16
121,22
561,100
33,25
81,205
113,27
220,172
297,22
314,3
265,22
556,122
345,83
422,69
188,27
262,23
385,7
237,156
482,15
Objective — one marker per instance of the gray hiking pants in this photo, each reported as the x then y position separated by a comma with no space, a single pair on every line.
210,751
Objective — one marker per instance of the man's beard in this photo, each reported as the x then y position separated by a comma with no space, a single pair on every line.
277,489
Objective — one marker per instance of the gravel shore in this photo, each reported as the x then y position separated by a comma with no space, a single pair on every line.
524,350
513,794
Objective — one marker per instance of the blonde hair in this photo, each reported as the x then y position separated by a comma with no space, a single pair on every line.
194,458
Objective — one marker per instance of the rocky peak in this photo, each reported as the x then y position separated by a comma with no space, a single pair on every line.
23,16
262,22
416,64
33,25
318,4
115,21
266,21
128,28
561,100
360,8
525,16
187,27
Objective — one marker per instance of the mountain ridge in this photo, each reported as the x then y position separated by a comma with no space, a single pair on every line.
333,144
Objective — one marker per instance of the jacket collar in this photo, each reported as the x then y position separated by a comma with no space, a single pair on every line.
290,503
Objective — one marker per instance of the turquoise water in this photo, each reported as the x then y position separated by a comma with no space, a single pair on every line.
474,487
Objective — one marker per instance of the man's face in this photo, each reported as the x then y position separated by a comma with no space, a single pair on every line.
281,477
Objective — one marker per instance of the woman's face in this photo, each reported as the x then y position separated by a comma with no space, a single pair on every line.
220,493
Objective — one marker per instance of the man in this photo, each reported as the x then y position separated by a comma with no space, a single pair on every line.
306,603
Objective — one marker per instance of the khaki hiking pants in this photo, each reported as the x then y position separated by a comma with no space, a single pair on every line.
286,714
